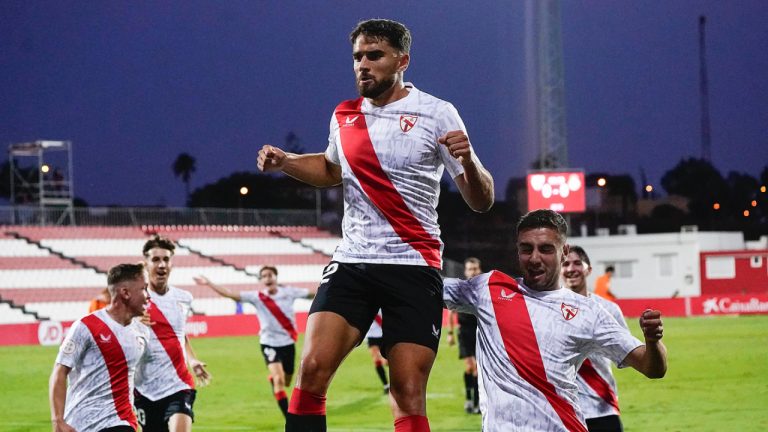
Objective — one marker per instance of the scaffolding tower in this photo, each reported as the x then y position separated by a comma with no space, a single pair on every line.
41,182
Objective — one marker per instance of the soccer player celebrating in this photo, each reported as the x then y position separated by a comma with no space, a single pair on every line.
534,334
598,397
388,149
274,308
164,386
99,356
467,342
375,339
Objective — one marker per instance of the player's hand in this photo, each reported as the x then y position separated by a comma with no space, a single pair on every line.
201,280
146,319
202,377
451,340
651,325
270,159
62,426
458,145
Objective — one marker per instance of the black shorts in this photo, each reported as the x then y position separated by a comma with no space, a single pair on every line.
285,355
467,341
375,341
410,298
119,429
611,423
153,415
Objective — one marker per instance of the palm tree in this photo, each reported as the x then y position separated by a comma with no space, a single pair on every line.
184,167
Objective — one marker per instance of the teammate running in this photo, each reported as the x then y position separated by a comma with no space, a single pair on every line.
533,335
99,356
274,308
598,395
467,342
375,339
388,149
165,389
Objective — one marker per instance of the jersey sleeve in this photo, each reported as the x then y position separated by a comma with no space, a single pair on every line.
297,292
611,339
251,297
332,152
75,344
460,295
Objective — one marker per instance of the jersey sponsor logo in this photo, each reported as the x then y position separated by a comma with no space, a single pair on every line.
407,122
105,338
350,120
503,295
569,312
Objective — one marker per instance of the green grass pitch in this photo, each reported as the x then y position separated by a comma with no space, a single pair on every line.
717,381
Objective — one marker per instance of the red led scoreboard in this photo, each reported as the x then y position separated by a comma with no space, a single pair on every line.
559,191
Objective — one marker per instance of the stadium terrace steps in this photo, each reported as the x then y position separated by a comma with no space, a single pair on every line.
56,271
12,315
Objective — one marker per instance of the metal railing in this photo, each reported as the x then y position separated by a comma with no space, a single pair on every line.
138,216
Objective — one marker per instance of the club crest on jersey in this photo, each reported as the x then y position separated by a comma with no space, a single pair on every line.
407,122
569,312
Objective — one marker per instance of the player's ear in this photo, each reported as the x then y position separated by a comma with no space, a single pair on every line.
566,251
405,60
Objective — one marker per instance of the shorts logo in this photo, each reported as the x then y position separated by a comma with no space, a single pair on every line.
435,331
105,339
270,353
569,312
407,122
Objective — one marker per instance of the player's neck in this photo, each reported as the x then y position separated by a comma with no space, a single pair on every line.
271,289
159,290
582,290
121,315
395,93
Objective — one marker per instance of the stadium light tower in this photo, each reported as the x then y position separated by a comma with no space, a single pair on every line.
545,65
41,182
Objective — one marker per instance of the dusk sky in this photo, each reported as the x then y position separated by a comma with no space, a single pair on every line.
133,84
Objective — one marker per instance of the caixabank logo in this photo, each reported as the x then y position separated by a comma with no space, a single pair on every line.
727,305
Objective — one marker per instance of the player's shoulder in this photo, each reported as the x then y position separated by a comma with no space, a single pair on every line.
180,294
349,104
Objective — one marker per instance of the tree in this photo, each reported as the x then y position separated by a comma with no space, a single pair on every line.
700,182
183,167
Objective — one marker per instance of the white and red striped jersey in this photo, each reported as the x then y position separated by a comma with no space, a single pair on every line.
529,346
102,355
375,331
391,166
275,312
166,371
598,394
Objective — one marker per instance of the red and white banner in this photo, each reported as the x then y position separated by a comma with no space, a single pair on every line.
52,332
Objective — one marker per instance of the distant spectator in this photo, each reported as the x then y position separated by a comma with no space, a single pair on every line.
603,285
100,302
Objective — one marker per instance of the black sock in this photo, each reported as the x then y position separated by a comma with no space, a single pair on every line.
467,386
476,393
382,374
305,423
283,404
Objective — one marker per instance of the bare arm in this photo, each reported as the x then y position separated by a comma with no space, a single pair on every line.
222,291
313,169
198,367
452,315
651,358
57,392
476,184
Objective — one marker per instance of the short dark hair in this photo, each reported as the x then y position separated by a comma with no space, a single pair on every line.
610,269
543,218
158,241
472,260
581,253
395,33
124,272
273,269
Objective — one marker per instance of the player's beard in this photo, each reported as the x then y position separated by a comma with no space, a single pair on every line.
377,88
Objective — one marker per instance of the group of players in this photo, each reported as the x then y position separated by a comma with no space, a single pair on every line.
388,149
